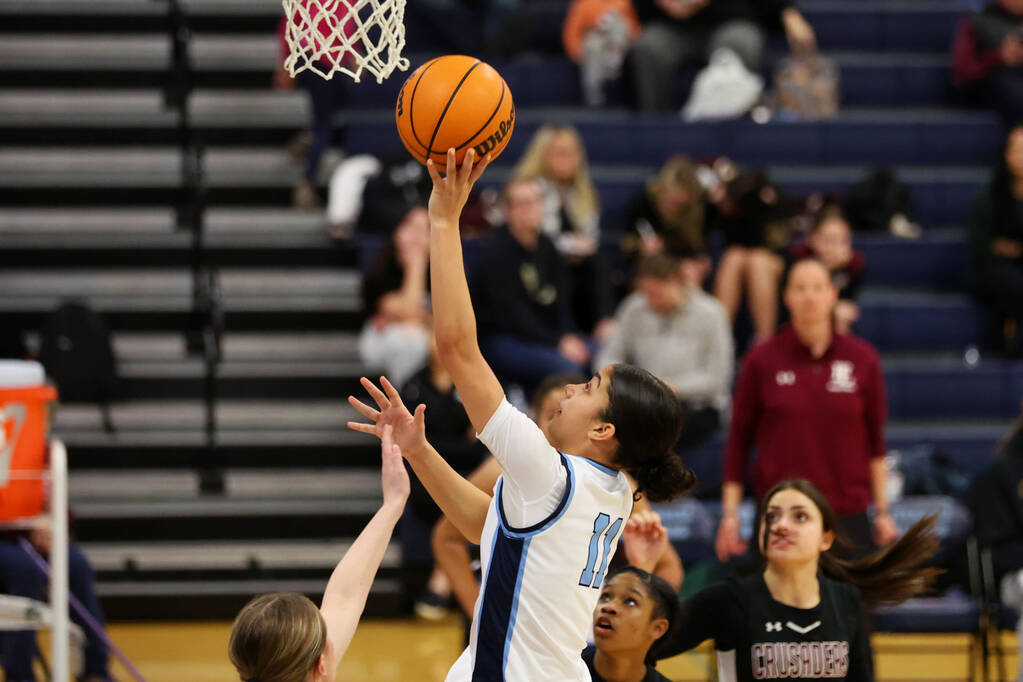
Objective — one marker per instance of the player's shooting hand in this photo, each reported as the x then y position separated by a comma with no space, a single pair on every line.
408,429
452,191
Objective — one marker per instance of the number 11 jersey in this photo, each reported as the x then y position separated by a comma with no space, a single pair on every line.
540,584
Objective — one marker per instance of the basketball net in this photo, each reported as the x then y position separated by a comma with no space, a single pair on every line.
345,36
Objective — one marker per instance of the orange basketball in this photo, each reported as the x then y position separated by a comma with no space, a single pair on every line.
454,101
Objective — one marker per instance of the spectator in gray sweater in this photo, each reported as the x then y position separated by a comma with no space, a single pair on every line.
681,335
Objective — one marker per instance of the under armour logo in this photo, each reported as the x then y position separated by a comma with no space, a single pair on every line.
785,378
773,627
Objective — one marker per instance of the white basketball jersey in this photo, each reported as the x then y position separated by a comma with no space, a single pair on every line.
540,584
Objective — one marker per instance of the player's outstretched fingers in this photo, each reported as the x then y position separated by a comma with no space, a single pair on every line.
431,168
452,174
363,409
376,393
392,392
371,429
478,170
465,172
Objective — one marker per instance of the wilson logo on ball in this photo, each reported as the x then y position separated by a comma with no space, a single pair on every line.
496,137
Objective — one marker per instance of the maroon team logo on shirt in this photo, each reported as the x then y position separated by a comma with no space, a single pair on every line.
804,660
842,379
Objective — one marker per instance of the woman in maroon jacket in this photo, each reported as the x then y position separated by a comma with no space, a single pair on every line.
813,403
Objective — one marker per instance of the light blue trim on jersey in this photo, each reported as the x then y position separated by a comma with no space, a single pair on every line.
566,502
600,467
515,606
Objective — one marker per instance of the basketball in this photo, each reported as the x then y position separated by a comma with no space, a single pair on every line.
454,101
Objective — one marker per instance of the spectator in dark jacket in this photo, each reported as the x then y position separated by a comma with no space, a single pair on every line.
988,55
520,287
667,216
996,234
680,31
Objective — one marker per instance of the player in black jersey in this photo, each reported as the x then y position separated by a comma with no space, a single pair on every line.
801,617
634,613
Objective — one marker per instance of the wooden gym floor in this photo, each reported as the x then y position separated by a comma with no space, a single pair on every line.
417,651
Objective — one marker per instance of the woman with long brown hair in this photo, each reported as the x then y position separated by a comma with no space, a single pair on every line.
801,617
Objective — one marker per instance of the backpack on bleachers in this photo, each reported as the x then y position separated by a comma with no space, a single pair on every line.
77,353
806,88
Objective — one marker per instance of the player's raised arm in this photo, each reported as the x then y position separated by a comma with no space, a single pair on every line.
453,317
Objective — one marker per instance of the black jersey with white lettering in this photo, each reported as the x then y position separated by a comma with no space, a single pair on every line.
758,638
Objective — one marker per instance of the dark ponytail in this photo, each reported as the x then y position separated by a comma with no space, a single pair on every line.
647,416
887,577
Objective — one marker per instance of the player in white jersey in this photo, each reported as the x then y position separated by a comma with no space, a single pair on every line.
549,531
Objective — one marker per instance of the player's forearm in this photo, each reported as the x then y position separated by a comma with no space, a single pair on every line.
452,556
350,583
454,319
463,503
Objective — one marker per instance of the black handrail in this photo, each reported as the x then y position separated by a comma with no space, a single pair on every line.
206,326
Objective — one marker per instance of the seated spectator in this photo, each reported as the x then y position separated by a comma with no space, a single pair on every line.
680,31
394,338
988,54
451,433
997,509
20,576
748,210
996,235
597,35
520,288
557,159
830,242
681,335
667,216
634,614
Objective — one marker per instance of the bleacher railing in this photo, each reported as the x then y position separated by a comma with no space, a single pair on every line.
207,319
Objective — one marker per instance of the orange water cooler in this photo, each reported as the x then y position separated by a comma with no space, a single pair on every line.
24,427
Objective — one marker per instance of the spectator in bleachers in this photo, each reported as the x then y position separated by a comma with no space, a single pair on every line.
597,35
680,31
830,242
988,54
749,211
996,234
681,335
452,435
520,287
997,508
556,157
667,216
394,287
813,403
326,98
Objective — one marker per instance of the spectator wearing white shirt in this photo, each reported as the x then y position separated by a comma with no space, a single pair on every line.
681,335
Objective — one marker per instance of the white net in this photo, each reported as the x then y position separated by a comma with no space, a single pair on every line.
345,36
